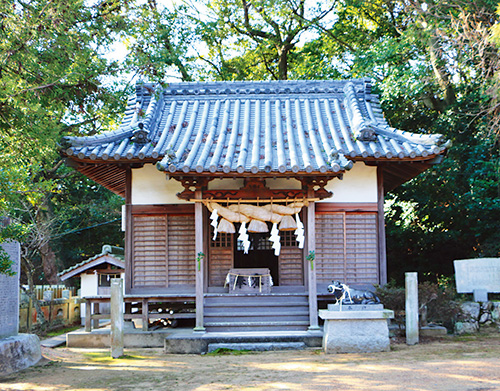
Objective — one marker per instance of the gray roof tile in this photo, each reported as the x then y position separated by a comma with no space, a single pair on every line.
268,126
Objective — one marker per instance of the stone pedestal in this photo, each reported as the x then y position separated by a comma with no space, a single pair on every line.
356,331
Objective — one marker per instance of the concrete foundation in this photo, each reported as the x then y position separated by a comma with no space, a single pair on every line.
356,331
197,343
186,341
19,352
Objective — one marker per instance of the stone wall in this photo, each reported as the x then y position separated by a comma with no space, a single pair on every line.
59,312
9,293
474,315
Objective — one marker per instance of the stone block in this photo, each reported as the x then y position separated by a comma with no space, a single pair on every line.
470,310
356,331
470,327
433,331
19,352
480,295
356,307
495,311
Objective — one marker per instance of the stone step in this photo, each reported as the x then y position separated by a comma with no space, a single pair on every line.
209,304
264,312
295,325
257,346
237,319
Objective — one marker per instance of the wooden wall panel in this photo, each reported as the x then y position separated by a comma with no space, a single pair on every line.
346,248
330,247
149,251
362,248
181,250
291,266
221,260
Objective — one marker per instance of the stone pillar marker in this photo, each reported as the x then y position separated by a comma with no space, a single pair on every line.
17,351
411,308
116,317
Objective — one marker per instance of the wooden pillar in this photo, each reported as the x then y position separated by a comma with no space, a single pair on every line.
145,314
96,311
88,315
311,264
200,261
128,231
382,254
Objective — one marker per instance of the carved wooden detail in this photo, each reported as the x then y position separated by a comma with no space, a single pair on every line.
255,188
318,185
198,183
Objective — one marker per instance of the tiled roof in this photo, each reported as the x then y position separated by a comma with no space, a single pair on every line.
252,127
106,255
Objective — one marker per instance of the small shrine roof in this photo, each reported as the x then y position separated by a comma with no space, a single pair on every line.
106,256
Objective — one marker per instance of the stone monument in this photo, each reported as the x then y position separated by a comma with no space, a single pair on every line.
17,351
478,276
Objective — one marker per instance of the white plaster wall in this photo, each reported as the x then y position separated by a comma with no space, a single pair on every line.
150,186
89,284
359,185
236,184
88,288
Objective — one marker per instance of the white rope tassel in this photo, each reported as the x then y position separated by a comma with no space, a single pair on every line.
243,237
275,239
299,232
214,216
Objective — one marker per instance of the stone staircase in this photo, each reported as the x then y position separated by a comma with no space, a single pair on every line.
250,312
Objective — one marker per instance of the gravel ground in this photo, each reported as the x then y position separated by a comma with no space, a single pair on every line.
451,363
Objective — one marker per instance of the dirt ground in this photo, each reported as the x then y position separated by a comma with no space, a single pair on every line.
466,363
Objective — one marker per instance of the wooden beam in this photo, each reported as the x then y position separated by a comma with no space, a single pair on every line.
200,264
382,253
163,209
329,207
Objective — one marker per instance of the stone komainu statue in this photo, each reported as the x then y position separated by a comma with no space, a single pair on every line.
348,295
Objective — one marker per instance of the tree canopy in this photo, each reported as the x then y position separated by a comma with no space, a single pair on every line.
434,64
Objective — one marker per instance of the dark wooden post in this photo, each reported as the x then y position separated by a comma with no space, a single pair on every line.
311,264
199,260
128,232
88,315
382,255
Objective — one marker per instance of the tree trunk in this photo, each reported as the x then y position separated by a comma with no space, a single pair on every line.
283,64
441,74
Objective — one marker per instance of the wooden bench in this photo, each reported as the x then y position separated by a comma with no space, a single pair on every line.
147,308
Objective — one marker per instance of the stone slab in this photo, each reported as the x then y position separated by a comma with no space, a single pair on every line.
356,307
257,346
347,315
19,352
433,331
9,292
480,273
196,344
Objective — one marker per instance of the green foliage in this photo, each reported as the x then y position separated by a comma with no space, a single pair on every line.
52,69
438,302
